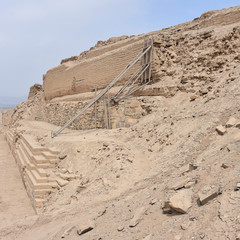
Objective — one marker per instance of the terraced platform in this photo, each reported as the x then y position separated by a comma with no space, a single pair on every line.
35,163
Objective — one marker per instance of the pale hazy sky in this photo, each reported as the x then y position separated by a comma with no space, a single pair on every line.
36,35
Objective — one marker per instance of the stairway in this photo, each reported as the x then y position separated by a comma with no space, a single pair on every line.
34,162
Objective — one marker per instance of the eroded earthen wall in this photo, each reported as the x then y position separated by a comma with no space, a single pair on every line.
94,71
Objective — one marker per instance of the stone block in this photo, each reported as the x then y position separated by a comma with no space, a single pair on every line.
137,216
181,201
207,195
231,122
85,227
221,130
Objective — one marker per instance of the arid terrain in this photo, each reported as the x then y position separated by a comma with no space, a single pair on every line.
173,173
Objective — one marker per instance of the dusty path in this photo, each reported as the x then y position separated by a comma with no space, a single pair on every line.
14,202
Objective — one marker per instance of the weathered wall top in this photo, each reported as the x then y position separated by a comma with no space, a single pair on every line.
97,67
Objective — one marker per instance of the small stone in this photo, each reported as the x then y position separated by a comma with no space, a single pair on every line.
206,196
67,231
192,166
120,228
190,184
85,227
166,208
221,130
137,216
184,226
181,201
154,201
231,122
193,98
61,182
225,166
193,219
67,177
62,156
202,236
187,168
102,212
203,91
238,124
180,184
237,188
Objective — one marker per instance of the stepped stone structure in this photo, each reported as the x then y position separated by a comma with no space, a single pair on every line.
36,165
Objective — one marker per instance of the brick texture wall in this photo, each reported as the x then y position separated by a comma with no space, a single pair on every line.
95,70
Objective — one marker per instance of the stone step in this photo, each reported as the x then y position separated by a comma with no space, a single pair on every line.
53,151
49,155
40,194
39,162
38,202
36,186
38,178
54,161
25,158
20,160
30,166
34,147
39,159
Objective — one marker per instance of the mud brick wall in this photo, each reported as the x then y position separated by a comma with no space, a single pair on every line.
124,114
97,69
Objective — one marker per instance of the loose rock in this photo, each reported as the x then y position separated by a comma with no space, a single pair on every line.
85,227
137,216
221,130
237,188
208,195
231,122
62,156
180,202
120,228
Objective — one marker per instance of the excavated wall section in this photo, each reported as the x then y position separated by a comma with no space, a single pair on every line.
125,114
96,70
